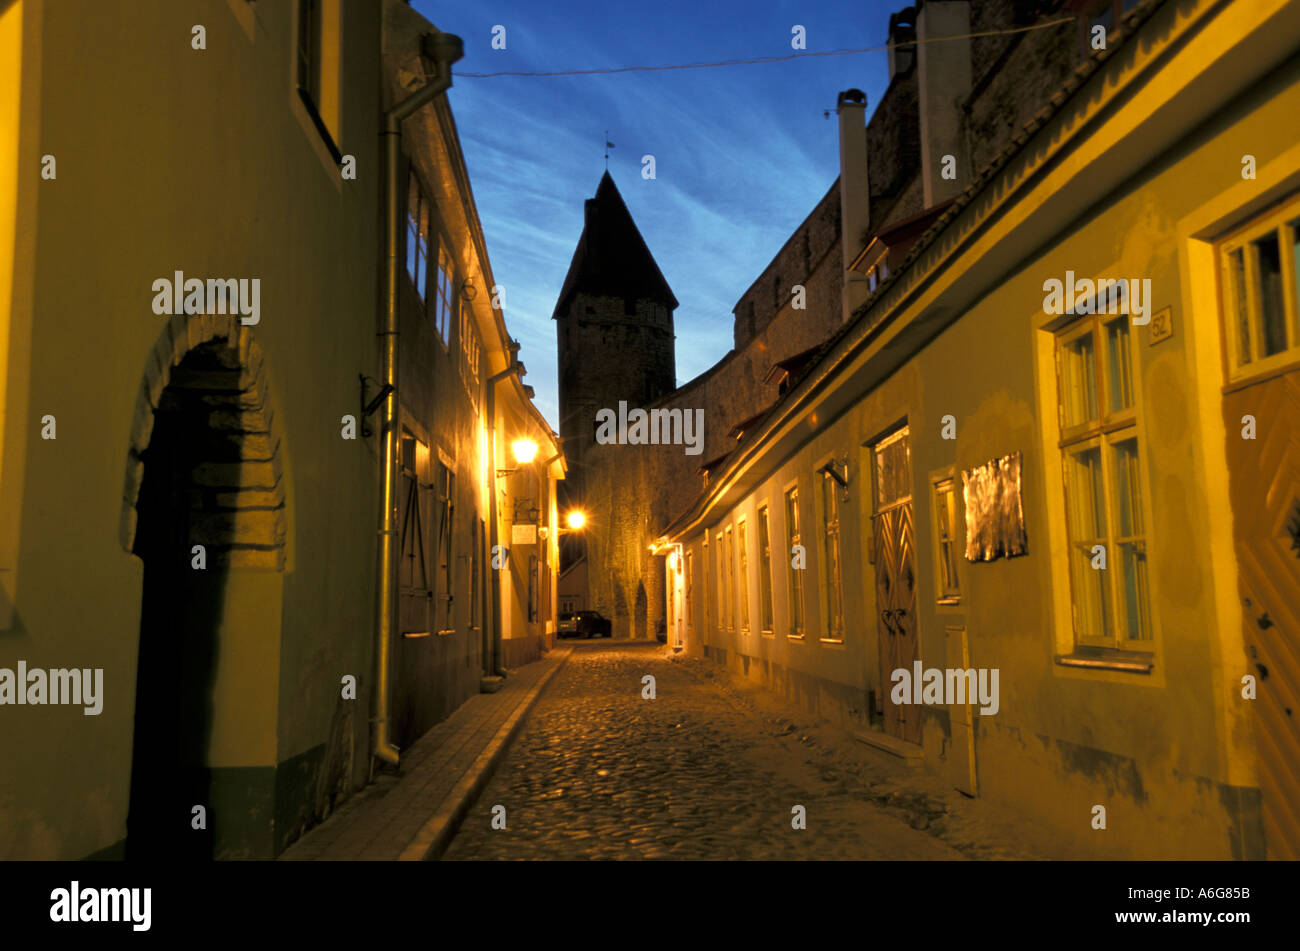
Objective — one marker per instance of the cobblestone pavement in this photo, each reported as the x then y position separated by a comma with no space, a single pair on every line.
599,772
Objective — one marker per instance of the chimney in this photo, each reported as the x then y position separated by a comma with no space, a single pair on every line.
902,30
855,200
944,83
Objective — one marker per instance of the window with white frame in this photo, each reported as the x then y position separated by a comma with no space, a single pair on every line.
729,589
946,542
1258,266
742,589
765,570
720,560
1101,460
794,575
831,565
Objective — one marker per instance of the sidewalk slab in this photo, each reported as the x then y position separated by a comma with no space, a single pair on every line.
412,816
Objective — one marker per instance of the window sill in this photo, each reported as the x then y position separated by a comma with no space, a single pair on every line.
1261,371
832,640
1108,658
794,637
415,633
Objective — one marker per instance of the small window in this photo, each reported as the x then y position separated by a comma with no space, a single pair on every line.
793,574
444,305
720,560
690,591
470,349
1260,269
417,238
445,486
309,58
742,590
729,591
831,566
947,586
318,68
765,570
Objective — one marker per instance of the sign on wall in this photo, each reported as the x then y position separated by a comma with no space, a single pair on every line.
995,521
523,534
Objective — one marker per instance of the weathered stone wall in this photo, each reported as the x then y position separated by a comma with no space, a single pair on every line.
1013,77
798,262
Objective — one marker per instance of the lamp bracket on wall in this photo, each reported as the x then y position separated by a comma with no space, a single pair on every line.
837,469
369,408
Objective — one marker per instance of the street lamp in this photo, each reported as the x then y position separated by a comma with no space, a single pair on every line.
525,451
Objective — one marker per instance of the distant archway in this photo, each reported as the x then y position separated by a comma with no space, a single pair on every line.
642,617
204,470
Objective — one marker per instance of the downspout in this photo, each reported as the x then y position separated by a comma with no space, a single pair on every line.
492,643
443,49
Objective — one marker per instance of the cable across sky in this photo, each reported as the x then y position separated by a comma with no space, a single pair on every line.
805,54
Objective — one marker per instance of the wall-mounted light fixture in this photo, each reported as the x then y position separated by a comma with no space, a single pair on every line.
837,469
368,409
524,450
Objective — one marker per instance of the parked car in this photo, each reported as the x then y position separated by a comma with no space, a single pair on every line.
585,623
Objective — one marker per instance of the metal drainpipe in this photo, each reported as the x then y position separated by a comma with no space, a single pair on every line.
492,643
444,49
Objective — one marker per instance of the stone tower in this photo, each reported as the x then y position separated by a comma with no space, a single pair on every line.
614,323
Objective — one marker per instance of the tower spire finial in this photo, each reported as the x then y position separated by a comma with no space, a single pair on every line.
608,145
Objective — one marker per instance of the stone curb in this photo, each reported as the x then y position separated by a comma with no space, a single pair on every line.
436,834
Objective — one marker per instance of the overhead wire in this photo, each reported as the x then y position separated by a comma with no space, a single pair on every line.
805,54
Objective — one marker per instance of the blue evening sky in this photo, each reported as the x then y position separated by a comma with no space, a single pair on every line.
742,153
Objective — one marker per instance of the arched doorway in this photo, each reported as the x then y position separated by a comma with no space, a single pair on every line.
642,628
205,496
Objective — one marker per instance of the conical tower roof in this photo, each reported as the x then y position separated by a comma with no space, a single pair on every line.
612,258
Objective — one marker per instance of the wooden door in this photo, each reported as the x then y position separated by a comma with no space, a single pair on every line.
895,578
1264,485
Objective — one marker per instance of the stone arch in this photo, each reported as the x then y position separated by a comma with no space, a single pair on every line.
215,364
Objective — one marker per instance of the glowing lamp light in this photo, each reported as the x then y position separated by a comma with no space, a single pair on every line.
576,519
525,451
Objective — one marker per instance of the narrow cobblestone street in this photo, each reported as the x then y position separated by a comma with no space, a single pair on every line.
600,772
